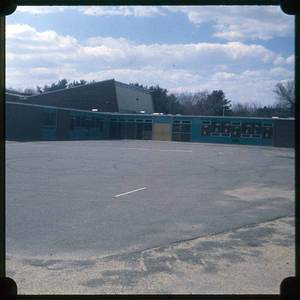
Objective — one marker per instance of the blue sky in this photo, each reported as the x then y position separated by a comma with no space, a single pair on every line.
245,51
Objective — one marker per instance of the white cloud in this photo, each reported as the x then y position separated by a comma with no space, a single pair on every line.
41,9
38,58
29,38
290,59
110,53
146,75
279,60
146,11
279,71
136,11
240,23
224,76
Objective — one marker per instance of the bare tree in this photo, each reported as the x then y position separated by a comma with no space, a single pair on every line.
248,109
285,95
21,91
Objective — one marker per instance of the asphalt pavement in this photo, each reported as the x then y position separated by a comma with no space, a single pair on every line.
138,216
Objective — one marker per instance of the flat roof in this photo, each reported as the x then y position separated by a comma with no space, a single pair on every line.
142,114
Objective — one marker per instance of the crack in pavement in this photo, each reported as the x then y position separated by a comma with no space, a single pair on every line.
213,234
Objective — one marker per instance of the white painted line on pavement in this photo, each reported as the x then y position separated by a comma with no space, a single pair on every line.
131,192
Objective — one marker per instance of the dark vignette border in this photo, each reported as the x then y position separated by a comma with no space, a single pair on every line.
289,288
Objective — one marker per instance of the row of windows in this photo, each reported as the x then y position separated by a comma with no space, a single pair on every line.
86,123
237,123
131,120
237,129
130,130
49,120
181,129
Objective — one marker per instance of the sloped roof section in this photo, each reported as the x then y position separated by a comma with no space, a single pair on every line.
99,95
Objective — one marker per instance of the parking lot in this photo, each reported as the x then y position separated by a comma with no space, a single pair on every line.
149,217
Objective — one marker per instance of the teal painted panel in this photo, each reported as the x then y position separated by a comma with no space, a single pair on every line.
246,141
256,142
87,135
205,139
196,132
235,141
139,117
196,120
182,119
216,140
72,135
162,120
52,134
49,134
79,135
45,135
266,142
225,140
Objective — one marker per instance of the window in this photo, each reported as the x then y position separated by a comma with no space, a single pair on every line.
113,129
46,119
225,134
246,128
205,122
216,127
88,124
268,132
236,131
267,124
93,124
226,126
72,122
99,124
205,129
77,123
181,131
82,124
256,128
49,122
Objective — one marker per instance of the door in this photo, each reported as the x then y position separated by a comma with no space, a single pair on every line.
162,132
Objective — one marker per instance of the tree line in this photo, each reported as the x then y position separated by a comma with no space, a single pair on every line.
62,84
215,103
202,103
